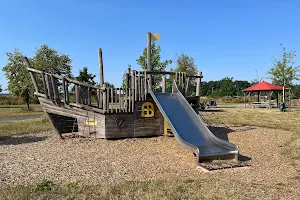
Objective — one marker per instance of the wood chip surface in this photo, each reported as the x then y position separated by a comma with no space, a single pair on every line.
31,158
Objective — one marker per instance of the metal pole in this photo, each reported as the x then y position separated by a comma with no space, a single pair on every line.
149,67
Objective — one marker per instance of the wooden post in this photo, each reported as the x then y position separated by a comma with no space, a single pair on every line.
64,90
139,85
104,98
198,88
133,101
187,86
258,93
149,67
54,87
44,85
34,82
101,67
198,84
98,98
48,87
112,100
135,87
245,99
146,85
163,84
121,100
290,103
270,95
133,84
77,94
129,100
67,92
89,96
277,102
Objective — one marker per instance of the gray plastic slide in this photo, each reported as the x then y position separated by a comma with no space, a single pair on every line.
190,130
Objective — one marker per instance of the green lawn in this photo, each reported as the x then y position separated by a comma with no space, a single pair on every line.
21,127
19,110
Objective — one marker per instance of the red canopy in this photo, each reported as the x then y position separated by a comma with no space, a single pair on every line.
263,86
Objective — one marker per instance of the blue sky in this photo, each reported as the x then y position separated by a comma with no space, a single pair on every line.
225,38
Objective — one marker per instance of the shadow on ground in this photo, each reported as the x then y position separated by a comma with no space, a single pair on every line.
16,140
222,133
212,110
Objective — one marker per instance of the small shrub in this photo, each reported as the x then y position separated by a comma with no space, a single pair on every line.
45,185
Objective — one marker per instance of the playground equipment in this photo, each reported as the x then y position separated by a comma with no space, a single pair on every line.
133,111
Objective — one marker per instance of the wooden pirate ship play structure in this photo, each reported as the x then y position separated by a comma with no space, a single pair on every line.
134,110
105,112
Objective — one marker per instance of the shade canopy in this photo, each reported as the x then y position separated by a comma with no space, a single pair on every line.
263,86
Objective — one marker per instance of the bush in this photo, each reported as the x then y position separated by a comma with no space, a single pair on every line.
14,100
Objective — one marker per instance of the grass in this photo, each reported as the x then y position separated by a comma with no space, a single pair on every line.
17,110
206,188
21,127
269,118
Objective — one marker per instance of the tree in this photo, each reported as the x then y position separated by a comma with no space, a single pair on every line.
185,63
45,59
124,76
86,77
107,84
49,60
283,71
156,63
19,80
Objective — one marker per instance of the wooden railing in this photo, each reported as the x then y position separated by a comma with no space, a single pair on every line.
64,91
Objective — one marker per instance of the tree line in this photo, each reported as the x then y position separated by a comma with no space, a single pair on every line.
282,72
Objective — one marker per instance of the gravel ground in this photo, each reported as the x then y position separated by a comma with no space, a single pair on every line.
31,158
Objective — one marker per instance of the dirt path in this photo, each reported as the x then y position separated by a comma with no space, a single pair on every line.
29,159
23,117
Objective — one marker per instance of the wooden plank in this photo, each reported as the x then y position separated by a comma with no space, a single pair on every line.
171,73
182,79
104,99
34,82
121,101
187,86
89,96
133,84
133,101
139,86
112,100
129,100
48,86
146,84
39,94
142,88
98,98
136,89
67,92
44,85
163,86
55,88
77,94
64,90
198,85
